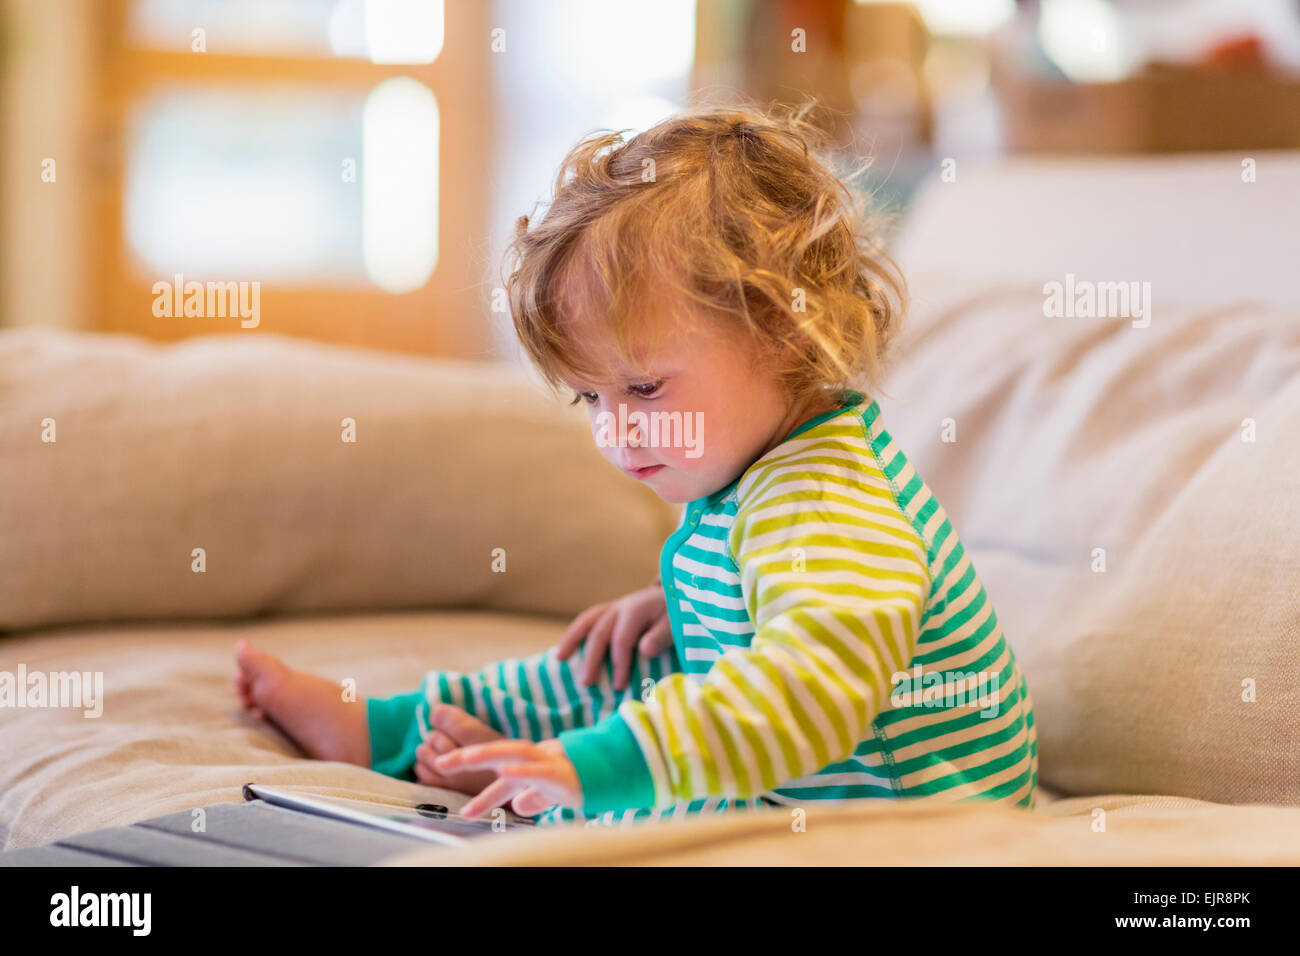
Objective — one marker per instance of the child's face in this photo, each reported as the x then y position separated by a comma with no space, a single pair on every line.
708,409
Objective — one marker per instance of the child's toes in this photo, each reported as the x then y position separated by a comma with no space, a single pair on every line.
242,691
255,664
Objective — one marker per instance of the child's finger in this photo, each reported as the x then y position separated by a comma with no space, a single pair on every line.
424,775
537,774
494,795
577,631
593,652
657,639
623,649
461,728
431,778
624,658
491,756
530,803
441,743
544,778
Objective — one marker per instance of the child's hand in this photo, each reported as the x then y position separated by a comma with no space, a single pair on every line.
453,728
534,776
641,616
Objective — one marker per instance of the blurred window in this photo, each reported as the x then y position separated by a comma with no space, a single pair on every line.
294,183
382,31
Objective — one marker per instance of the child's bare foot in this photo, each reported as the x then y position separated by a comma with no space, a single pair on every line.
310,709
453,728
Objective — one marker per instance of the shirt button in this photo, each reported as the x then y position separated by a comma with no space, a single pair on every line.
695,516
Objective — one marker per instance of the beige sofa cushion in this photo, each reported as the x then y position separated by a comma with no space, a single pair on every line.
1174,670
171,736
1157,831
233,444
1191,224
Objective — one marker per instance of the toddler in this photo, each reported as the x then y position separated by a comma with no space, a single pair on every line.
818,632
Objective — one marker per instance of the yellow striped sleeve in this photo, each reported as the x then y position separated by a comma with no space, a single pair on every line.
835,578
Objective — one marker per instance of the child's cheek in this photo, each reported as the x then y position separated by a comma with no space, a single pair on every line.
689,451
683,459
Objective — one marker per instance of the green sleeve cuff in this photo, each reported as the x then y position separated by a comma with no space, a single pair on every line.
611,768
394,733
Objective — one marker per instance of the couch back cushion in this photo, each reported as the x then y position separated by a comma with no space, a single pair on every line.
466,485
1201,227
1130,497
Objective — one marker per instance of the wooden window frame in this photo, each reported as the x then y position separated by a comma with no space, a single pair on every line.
447,316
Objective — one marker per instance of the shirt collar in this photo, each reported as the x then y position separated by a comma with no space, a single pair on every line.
848,398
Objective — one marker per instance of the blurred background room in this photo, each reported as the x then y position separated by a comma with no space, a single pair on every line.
364,160
333,452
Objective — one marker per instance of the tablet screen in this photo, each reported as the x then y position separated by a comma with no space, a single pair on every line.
429,821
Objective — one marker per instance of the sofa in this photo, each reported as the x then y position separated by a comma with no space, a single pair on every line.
1125,487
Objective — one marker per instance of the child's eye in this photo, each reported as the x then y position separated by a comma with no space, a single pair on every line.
646,390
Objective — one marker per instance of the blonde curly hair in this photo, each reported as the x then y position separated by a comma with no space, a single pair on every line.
733,211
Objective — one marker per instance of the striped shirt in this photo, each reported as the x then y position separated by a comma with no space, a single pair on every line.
832,641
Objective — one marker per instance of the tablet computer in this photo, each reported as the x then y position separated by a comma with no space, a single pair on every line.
425,821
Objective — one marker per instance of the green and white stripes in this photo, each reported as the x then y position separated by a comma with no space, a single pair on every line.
832,641
851,576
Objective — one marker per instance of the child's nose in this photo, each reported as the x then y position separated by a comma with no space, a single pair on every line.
626,434
623,454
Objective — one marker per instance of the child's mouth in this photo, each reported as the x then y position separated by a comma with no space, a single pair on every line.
641,473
